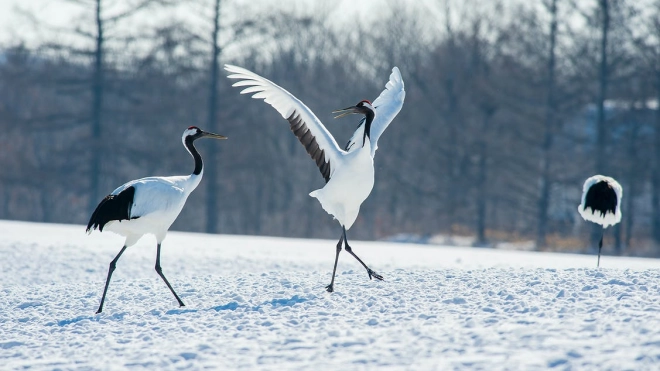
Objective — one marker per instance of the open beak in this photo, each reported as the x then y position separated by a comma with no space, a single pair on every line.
206,134
345,111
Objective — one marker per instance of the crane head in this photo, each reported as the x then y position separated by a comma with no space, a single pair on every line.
193,133
363,107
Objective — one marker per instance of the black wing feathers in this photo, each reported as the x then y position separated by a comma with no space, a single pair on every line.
113,207
602,198
299,128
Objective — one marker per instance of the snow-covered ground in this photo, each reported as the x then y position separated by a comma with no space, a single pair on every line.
260,303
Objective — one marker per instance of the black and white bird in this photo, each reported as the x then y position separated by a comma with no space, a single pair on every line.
149,206
601,203
348,172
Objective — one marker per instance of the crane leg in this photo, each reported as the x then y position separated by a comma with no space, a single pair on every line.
331,286
370,272
113,265
600,247
159,270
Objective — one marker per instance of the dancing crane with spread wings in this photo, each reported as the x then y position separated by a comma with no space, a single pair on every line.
348,172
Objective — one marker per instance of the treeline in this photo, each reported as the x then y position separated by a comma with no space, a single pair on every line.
508,110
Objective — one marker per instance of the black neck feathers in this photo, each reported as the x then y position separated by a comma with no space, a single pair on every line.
369,115
199,165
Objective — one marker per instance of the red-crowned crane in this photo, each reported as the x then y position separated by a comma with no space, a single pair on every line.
601,203
149,206
348,172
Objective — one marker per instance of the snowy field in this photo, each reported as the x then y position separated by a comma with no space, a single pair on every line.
260,303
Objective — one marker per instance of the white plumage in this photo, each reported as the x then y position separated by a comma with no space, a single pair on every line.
148,206
387,105
156,205
601,203
349,172
350,184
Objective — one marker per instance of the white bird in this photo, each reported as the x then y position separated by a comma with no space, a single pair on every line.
149,206
601,203
348,172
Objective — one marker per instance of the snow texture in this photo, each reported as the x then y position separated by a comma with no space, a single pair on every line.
259,303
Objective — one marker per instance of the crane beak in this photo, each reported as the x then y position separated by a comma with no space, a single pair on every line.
206,134
345,111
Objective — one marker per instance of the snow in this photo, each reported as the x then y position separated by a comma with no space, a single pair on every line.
259,303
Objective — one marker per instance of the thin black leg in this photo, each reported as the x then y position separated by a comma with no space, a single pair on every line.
113,265
370,272
331,286
600,247
160,273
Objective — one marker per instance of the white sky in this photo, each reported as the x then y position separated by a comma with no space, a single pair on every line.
15,25
15,21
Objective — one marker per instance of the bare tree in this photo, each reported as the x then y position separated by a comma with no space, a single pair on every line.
494,136
212,190
603,76
104,23
647,42
549,130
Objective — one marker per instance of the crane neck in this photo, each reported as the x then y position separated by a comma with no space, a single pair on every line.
199,164
369,117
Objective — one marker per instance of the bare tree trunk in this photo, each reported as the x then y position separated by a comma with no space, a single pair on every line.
602,93
546,182
602,90
97,111
452,117
212,178
370,216
481,196
629,220
452,156
5,204
482,189
44,201
258,204
631,175
618,237
655,184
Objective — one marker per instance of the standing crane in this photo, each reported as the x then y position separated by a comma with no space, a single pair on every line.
601,203
348,172
149,206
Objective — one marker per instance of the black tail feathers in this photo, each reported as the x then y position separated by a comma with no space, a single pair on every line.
112,207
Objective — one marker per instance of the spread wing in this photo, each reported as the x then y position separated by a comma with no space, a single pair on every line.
309,130
387,105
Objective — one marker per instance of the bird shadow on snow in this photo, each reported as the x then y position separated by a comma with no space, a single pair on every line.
64,322
284,302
